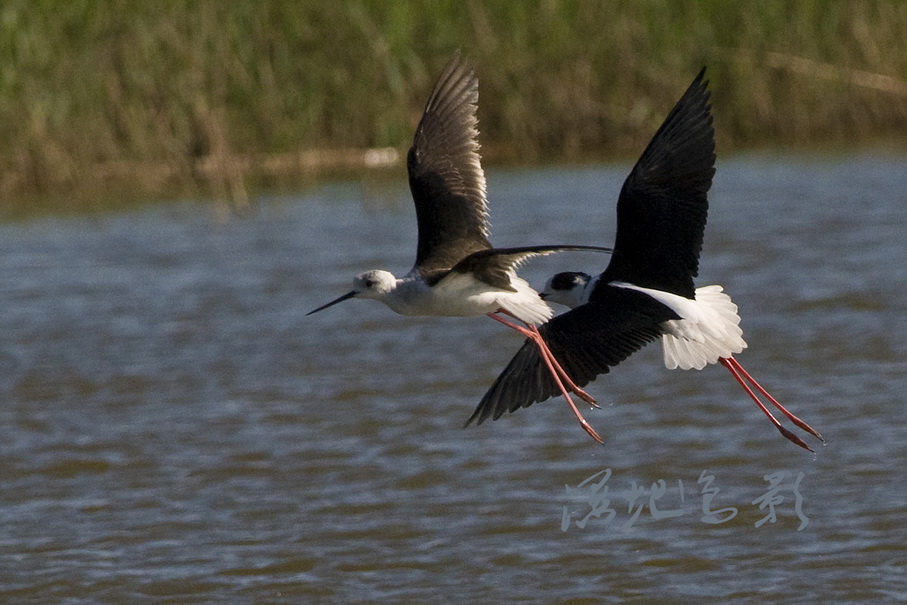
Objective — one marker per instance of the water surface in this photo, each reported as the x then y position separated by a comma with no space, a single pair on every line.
175,430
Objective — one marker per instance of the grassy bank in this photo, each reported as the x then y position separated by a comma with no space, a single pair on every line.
102,97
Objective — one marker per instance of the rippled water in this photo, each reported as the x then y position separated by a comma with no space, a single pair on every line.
175,429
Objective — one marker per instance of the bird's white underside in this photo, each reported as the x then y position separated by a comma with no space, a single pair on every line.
461,295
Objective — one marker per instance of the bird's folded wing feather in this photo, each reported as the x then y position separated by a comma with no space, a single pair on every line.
493,265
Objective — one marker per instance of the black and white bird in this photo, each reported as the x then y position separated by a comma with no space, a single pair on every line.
457,273
647,291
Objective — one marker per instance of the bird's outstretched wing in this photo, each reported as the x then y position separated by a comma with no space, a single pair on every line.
586,341
445,173
663,205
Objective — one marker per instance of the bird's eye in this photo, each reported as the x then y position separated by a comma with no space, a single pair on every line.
369,283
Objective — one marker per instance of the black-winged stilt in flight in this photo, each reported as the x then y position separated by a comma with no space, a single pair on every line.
647,290
457,273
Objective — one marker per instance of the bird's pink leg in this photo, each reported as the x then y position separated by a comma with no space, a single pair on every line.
774,401
732,368
568,382
545,353
533,334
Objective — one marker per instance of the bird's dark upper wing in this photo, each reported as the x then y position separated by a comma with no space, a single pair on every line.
587,341
663,205
445,173
492,265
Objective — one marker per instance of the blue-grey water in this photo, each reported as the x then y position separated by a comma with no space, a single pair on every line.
176,430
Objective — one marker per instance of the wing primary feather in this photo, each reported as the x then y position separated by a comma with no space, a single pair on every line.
445,172
663,206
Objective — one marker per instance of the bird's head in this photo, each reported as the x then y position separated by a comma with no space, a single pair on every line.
566,288
375,284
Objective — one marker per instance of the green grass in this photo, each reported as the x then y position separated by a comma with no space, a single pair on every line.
98,98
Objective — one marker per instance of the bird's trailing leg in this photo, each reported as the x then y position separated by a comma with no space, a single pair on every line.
543,347
547,358
740,374
568,382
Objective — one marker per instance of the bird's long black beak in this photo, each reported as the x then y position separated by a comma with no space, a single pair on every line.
333,302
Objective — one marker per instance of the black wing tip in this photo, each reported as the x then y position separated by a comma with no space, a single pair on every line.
476,417
457,84
456,59
689,123
458,69
520,385
699,88
695,99
489,407
486,410
458,64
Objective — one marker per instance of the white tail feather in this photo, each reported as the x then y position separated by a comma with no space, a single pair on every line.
708,331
